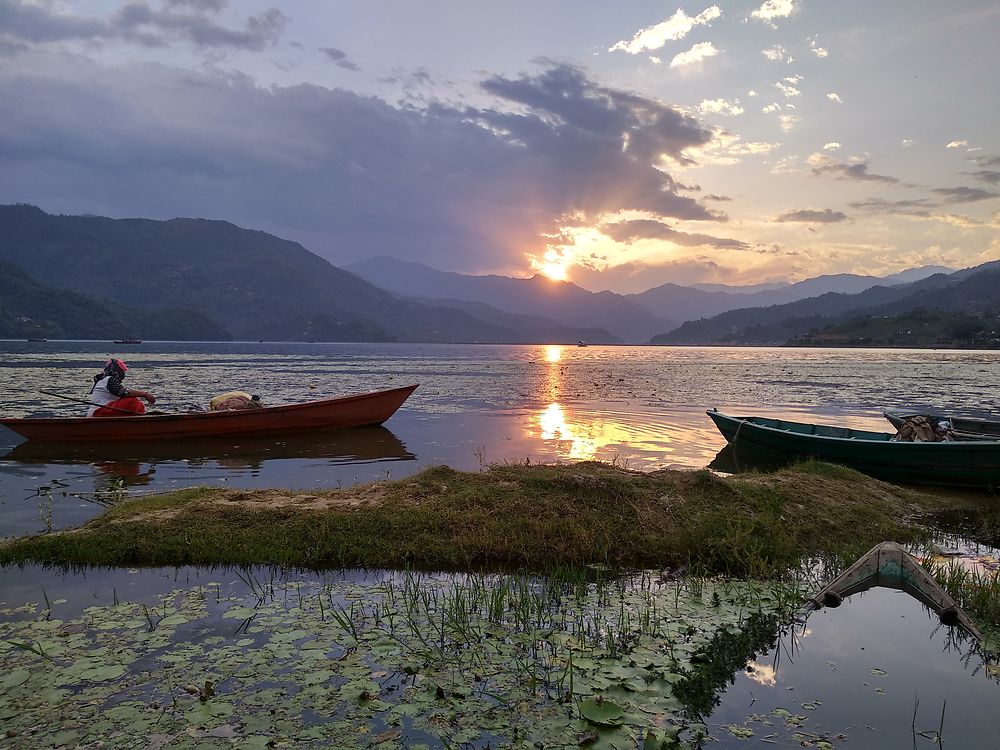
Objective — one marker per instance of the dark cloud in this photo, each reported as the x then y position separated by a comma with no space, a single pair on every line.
964,194
915,207
857,170
646,229
339,57
991,176
350,176
138,23
205,6
813,216
597,143
714,197
989,161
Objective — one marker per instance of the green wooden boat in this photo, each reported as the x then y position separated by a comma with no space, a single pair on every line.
965,463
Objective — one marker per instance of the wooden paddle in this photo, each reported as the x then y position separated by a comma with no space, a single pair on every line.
91,403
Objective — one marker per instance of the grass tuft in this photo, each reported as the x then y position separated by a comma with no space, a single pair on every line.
510,516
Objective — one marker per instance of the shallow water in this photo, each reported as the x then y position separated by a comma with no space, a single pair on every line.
873,673
640,406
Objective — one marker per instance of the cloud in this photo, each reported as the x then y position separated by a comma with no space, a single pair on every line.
772,9
909,207
989,161
339,57
831,146
964,194
628,232
787,122
834,98
751,92
818,51
957,144
720,106
204,6
812,215
674,28
138,23
773,107
850,170
350,176
987,175
787,89
776,53
907,142
696,54
655,60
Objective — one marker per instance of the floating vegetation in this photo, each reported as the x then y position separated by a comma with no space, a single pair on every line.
411,660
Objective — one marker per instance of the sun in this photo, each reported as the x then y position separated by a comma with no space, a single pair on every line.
554,269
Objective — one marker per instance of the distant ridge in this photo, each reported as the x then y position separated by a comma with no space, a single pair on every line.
561,301
974,291
229,282
691,303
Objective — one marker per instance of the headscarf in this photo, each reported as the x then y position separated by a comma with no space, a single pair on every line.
112,368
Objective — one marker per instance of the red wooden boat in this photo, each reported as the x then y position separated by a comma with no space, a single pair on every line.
326,414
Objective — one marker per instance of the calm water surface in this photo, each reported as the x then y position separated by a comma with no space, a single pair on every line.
643,407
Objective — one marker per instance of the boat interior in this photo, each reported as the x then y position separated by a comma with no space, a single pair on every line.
803,428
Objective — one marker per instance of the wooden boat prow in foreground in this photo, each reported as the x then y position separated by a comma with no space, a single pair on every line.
325,414
890,566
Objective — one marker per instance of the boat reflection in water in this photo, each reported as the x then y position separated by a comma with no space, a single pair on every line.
733,460
359,445
67,485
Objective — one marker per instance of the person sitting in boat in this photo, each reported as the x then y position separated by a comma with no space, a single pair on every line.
233,401
110,398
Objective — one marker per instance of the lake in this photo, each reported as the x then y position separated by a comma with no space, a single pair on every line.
639,406
861,674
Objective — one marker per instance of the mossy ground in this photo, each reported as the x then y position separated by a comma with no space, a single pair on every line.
513,516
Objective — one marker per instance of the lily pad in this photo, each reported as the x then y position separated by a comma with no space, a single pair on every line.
601,712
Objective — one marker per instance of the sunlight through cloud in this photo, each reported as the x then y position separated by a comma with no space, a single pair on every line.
696,54
674,28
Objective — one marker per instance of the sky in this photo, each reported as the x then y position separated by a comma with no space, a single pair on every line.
617,145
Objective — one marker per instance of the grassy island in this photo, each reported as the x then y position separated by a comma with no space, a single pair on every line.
510,516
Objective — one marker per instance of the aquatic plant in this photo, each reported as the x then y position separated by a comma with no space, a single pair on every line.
443,660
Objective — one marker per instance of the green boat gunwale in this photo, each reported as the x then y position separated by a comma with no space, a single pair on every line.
877,437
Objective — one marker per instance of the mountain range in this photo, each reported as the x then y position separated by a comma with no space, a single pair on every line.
561,301
973,291
118,276
94,277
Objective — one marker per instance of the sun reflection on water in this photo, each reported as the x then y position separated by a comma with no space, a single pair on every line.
555,427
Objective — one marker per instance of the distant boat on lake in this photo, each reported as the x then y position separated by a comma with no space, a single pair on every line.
38,340
581,343
128,341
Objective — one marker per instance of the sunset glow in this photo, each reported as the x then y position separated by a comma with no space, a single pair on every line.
554,270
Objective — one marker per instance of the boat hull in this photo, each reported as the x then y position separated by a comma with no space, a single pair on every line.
965,463
326,414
